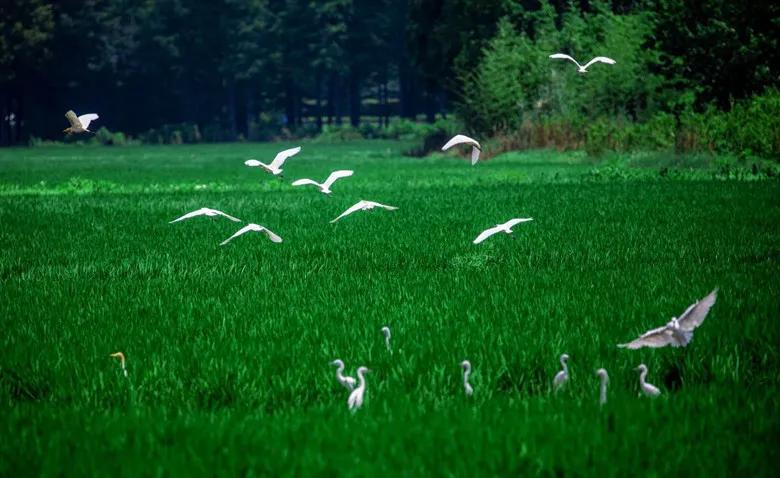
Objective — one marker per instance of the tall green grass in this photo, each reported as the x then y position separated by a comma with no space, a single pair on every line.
228,347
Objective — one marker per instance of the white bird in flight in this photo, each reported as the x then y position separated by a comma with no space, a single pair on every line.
678,332
466,372
363,206
355,399
79,124
647,389
563,376
204,211
121,357
346,381
275,167
325,187
584,69
463,139
602,374
386,333
505,227
254,228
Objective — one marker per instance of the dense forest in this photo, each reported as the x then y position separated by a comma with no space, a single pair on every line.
255,69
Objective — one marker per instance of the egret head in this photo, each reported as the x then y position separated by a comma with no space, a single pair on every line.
386,331
337,363
120,356
564,357
466,365
602,373
641,368
363,370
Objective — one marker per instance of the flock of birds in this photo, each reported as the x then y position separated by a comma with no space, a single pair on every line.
678,332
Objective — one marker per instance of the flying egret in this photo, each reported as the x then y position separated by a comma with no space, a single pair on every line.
346,381
204,211
386,333
602,374
505,227
121,358
275,167
355,399
363,206
584,69
647,389
563,376
463,139
678,332
325,187
466,365
253,228
79,124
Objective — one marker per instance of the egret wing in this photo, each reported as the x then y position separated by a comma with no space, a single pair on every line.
599,59
356,207
336,175
271,235
561,56
660,337
282,156
486,233
72,119
238,233
384,206
460,139
305,182
189,215
86,119
513,222
696,313
253,163
234,219
474,155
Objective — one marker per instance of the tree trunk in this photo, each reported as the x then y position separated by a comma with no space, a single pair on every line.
354,97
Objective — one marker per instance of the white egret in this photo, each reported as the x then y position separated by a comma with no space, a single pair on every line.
563,376
602,374
505,227
346,381
204,211
121,357
386,333
79,124
355,399
678,332
254,228
275,167
363,206
325,187
463,139
647,389
584,69
466,365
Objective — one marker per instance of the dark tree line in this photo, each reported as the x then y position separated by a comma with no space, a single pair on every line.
237,68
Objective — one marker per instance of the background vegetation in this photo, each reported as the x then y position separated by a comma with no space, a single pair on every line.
182,72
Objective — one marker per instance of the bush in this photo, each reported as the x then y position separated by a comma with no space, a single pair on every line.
173,134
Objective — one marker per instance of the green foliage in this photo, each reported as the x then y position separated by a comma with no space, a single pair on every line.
180,133
228,346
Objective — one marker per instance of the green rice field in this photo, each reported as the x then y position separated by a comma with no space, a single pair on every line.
228,347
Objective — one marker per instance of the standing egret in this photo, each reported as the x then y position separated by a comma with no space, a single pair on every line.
355,399
346,381
466,365
386,333
602,374
505,228
121,357
678,332
647,389
584,69
563,376
275,167
325,187
79,124
204,211
363,206
463,139
254,228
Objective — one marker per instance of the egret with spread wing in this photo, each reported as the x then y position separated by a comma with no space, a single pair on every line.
584,68
79,124
325,187
679,331
505,227
275,167
254,228
463,139
204,211
363,206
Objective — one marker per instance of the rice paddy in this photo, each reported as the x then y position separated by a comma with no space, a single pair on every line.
228,347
